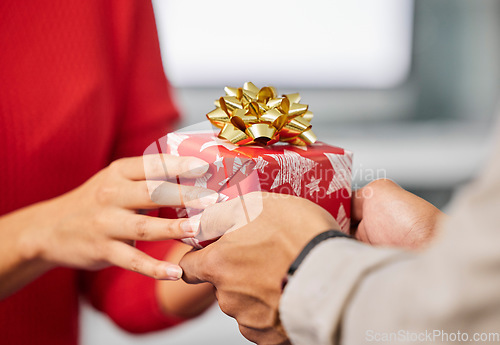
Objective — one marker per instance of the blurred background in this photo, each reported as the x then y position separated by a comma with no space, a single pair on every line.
411,87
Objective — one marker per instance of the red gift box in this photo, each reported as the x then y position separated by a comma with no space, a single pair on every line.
318,172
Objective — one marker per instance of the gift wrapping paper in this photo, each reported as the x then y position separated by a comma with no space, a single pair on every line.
318,172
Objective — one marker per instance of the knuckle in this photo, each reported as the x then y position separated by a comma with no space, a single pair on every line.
173,226
105,194
246,332
99,221
100,250
381,183
267,321
212,263
141,228
115,166
196,267
210,216
156,273
101,254
226,306
136,263
153,166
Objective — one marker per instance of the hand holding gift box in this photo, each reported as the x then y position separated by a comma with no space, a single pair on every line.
265,144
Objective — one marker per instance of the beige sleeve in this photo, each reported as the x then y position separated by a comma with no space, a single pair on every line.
349,293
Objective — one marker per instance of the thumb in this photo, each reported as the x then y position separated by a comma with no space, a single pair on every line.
193,265
357,201
375,191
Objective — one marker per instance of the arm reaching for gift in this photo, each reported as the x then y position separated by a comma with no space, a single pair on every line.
248,264
265,247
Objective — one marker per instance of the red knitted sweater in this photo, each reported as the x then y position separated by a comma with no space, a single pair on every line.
81,84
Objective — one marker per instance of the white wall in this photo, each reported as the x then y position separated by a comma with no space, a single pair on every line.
315,43
213,327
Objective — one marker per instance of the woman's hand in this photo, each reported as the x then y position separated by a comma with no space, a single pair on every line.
385,214
96,224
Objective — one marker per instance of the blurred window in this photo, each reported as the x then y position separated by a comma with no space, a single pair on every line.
315,43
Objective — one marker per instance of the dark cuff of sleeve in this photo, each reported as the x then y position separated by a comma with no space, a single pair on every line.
313,243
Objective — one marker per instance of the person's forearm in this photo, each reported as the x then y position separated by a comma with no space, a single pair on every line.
367,293
315,298
20,261
451,287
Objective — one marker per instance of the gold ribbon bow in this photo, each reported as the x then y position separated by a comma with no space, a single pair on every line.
248,115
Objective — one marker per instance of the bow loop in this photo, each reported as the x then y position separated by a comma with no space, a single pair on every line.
250,115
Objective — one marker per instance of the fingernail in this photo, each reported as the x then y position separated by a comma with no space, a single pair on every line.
191,227
208,198
197,167
174,272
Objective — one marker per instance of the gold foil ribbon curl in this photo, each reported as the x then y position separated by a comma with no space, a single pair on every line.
250,115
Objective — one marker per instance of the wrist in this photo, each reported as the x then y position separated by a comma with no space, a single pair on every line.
21,260
310,246
31,254
29,246
35,234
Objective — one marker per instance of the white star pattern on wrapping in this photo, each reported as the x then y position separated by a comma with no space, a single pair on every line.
342,219
237,165
292,168
260,164
223,182
244,168
219,162
313,186
202,181
174,140
215,142
341,164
